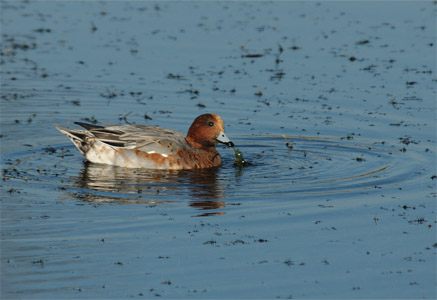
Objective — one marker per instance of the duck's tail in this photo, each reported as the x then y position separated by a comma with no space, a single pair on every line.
78,137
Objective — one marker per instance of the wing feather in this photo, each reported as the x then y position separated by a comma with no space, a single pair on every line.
142,137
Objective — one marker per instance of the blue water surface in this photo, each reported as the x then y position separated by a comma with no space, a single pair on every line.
349,212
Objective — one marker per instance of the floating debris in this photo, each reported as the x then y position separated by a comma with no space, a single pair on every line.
121,117
175,76
92,120
259,93
288,144
363,42
239,159
109,95
288,262
253,55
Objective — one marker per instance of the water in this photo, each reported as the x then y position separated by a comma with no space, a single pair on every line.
349,212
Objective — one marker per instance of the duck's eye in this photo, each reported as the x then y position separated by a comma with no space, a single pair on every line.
210,124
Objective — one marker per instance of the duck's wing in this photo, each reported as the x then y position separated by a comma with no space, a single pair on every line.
146,138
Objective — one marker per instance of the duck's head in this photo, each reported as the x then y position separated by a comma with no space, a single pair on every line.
207,131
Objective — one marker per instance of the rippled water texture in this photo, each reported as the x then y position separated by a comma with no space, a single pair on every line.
332,103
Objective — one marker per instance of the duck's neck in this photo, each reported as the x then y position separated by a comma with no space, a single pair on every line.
207,146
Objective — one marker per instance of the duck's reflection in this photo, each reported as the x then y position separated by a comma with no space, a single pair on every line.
103,183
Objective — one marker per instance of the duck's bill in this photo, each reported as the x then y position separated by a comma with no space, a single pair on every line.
222,138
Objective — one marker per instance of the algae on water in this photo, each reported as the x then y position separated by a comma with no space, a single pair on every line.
239,159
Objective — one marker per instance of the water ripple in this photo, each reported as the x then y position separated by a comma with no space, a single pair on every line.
315,166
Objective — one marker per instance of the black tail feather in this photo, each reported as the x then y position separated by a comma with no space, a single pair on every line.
88,126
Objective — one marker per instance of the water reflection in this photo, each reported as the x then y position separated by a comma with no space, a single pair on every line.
109,184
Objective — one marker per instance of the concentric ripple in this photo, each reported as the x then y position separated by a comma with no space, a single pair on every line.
327,165
315,166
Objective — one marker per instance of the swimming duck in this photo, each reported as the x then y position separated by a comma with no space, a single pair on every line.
151,147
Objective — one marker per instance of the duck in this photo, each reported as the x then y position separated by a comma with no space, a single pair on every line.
152,147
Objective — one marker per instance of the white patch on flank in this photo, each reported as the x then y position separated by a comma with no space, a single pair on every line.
151,152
